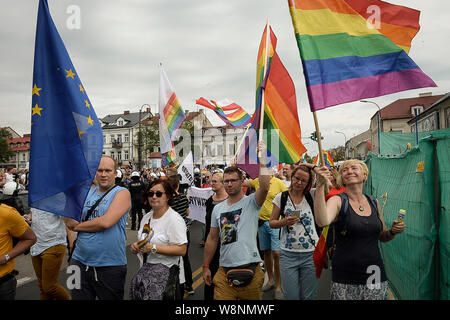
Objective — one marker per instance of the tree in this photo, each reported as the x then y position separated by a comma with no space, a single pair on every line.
150,136
5,152
338,153
308,158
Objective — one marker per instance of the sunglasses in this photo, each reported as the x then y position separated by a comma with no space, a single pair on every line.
158,194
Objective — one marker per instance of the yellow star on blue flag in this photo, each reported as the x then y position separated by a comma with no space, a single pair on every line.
66,137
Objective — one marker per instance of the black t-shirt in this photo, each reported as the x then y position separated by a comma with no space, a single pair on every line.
358,249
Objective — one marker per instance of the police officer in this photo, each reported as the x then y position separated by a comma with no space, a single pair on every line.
136,188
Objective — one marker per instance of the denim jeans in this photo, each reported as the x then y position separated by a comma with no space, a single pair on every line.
8,289
298,275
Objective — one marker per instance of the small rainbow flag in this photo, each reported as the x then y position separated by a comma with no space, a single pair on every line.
320,252
327,159
235,115
355,49
148,232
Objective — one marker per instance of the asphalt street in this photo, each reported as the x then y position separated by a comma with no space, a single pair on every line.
27,288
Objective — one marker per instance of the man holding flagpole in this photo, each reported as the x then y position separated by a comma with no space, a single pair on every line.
235,223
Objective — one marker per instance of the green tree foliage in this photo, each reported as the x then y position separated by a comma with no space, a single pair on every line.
5,152
338,153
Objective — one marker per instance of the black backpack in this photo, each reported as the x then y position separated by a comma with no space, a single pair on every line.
309,199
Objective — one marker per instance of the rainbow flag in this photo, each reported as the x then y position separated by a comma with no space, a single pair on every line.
148,232
281,127
327,159
171,116
355,49
320,252
235,115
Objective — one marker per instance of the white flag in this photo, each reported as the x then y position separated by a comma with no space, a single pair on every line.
197,202
186,170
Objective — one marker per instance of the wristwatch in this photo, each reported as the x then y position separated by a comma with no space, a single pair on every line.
6,258
153,249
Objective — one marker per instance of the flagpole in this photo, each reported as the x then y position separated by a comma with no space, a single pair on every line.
261,107
240,143
319,142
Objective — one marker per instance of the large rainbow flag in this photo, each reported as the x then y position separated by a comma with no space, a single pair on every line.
355,49
230,112
281,127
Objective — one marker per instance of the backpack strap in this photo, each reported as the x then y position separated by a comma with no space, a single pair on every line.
310,201
284,197
342,221
373,202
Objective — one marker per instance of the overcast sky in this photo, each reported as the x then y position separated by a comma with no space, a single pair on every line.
208,49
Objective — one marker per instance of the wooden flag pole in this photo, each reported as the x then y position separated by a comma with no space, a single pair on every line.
319,142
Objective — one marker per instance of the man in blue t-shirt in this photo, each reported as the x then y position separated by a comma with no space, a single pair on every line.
100,246
235,223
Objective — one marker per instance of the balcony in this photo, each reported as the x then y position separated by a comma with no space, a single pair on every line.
116,144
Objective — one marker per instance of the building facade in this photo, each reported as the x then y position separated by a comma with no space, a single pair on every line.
21,148
395,117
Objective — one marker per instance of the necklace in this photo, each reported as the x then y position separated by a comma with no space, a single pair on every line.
361,208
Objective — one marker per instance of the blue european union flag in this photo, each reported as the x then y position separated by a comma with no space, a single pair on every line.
66,136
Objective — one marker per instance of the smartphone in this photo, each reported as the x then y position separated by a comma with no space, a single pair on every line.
296,213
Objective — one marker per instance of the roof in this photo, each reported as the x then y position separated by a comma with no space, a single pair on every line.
431,108
155,155
401,108
131,119
25,141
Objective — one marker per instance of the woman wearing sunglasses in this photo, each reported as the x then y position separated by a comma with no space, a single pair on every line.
161,242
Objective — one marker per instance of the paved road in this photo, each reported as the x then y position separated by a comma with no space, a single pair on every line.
28,289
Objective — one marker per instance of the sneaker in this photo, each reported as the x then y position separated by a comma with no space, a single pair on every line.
190,291
268,287
278,295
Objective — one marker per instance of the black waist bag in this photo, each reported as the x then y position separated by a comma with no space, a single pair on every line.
240,276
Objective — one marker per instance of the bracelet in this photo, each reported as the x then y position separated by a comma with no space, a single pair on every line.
205,266
314,166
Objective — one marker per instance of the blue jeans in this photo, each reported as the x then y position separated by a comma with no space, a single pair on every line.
298,275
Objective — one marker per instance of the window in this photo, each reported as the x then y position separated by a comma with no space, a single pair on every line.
24,157
104,139
112,155
119,138
120,123
220,150
126,155
231,149
419,110
126,137
119,155
112,138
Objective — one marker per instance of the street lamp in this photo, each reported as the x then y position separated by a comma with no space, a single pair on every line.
379,120
345,142
140,137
